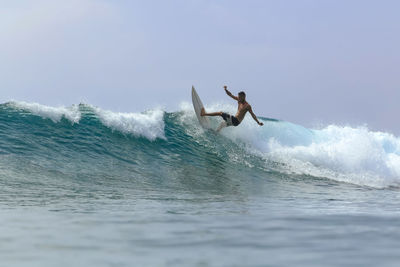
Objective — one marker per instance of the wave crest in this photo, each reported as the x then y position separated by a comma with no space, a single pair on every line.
55,114
149,124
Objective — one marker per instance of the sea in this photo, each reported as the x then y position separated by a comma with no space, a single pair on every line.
85,186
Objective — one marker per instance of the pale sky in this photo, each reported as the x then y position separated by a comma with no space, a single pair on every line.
311,62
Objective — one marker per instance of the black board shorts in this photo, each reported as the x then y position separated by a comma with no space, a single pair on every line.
230,120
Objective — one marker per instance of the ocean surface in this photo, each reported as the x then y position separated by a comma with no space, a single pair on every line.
83,186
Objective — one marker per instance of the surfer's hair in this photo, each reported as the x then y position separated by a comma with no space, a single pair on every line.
241,93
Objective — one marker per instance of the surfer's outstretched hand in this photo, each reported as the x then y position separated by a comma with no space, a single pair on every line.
226,88
260,123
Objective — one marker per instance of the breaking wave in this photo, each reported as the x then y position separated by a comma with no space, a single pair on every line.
170,141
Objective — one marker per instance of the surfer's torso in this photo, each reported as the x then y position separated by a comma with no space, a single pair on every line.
243,107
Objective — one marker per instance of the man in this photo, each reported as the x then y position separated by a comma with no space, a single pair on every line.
230,120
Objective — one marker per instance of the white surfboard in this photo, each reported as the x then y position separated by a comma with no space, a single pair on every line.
197,108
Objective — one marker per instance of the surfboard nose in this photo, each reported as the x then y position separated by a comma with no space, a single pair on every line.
198,108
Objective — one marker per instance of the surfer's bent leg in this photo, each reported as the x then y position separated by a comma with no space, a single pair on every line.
222,125
203,113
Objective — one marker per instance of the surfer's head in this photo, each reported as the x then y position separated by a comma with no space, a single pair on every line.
242,96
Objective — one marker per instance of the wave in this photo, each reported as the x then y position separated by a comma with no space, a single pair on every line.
175,139
148,124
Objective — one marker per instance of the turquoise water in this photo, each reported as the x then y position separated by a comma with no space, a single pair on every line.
82,186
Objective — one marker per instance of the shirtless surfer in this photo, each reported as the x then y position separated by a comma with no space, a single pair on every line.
230,120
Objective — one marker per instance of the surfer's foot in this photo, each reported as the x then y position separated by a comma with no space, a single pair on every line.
203,112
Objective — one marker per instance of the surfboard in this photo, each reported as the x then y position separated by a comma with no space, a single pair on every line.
198,105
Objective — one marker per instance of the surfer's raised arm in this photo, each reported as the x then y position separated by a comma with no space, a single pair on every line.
230,94
254,116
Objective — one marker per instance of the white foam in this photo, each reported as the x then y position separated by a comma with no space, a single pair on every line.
55,114
354,155
349,154
149,124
